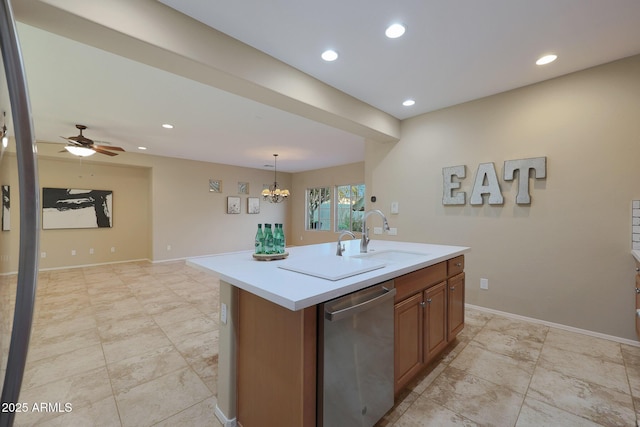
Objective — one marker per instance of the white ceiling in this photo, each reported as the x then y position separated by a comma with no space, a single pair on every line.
453,52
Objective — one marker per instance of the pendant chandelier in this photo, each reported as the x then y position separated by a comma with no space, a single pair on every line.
274,194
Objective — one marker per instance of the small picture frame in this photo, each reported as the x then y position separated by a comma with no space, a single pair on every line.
233,205
253,205
243,188
215,186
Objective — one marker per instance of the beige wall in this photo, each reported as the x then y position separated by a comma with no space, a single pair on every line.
131,231
566,257
158,202
340,175
194,221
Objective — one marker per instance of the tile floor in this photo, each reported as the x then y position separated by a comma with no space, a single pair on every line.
135,344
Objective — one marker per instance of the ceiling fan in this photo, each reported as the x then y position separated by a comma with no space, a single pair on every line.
82,146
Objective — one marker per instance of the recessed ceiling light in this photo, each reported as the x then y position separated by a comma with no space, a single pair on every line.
409,102
167,126
329,55
395,30
546,59
142,148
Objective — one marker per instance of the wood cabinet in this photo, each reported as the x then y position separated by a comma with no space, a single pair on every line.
435,320
408,324
455,297
429,313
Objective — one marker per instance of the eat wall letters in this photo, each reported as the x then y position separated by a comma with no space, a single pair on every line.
486,181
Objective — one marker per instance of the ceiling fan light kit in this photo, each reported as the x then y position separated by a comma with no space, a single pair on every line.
82,146
274,194
80,151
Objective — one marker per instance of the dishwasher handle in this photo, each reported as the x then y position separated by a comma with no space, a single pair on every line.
381,295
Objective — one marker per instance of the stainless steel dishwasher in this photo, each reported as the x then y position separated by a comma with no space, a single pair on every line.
355,357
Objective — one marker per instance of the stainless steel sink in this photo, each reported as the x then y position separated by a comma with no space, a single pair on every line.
390,255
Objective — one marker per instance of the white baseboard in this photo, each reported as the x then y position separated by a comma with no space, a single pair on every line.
223,418
557,325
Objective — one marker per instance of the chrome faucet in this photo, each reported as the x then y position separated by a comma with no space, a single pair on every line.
340,245
364,242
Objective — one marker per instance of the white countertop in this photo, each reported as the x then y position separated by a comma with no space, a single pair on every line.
296,291
636,254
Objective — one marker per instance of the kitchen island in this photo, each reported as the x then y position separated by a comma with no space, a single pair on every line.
268,329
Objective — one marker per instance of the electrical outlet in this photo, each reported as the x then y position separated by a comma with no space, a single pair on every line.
394,207
393,231
73,252
43,254
168,247
113,248
223,313
484,283
377,230
90,251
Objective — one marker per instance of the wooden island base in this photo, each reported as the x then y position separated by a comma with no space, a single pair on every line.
276,361
277,347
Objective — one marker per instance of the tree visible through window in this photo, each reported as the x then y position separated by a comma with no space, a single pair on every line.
349,207
318,209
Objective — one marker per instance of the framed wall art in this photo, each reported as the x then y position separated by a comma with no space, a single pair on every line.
215,186
6,204
76,208
233,205
253,205
243,188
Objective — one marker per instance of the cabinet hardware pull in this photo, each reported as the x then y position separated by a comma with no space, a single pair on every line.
458,264
638,269
423,304
429,300
637,291
453,288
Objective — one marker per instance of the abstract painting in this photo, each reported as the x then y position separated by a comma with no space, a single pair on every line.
253,205
76,208
233,205
6,213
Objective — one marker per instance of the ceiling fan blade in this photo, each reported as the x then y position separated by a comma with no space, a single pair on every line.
101,151
108,147
71,141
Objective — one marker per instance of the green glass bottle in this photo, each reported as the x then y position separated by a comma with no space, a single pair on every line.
259,240
283,239
268,239
277,240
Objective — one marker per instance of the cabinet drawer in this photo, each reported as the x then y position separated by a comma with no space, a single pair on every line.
417,281
455,266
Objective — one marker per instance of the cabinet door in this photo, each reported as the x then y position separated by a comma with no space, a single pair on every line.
435,320
455,294
408,358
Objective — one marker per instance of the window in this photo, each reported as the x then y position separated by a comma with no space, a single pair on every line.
318,209
349,207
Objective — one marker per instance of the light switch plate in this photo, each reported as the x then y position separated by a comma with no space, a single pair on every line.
393,231
394,207
377,230
484,283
